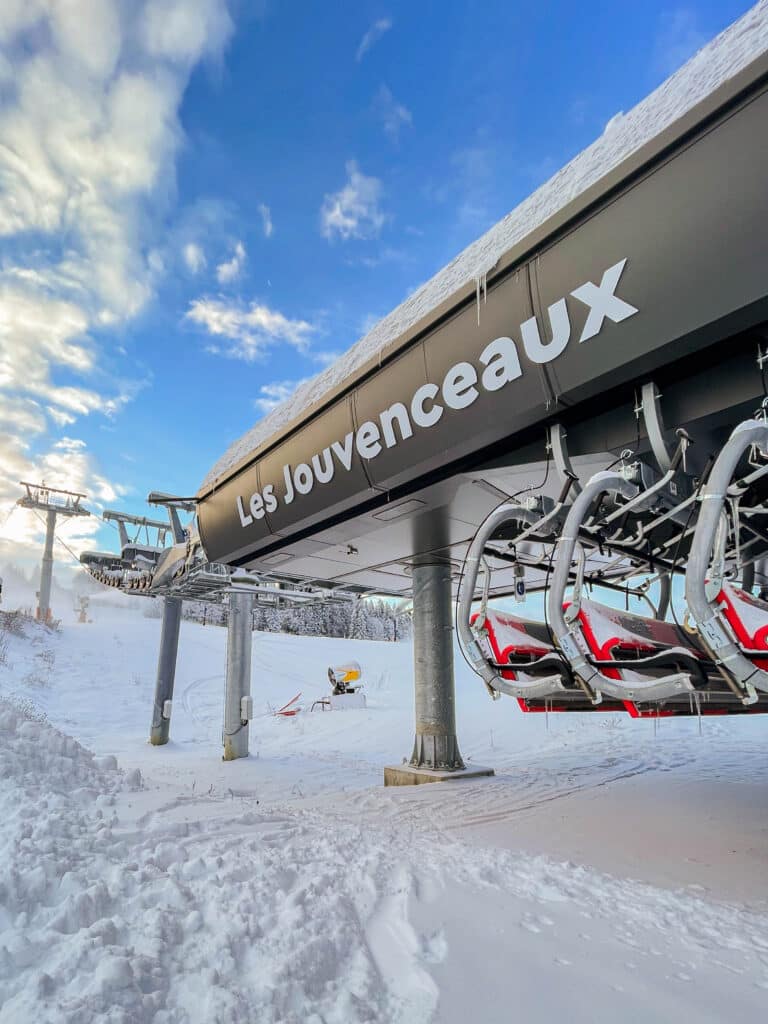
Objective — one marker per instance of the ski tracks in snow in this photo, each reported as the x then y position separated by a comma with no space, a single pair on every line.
202,912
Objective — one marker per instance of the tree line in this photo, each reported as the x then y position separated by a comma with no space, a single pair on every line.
363,619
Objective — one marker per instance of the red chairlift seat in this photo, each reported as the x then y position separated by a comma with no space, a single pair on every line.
633,647
614,635
522,652
515,643
748,618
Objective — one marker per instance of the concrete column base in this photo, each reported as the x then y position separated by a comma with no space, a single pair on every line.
409,775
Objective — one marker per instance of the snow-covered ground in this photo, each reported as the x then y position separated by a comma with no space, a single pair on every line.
610,871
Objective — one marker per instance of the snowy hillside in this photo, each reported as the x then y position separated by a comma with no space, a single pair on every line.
611,871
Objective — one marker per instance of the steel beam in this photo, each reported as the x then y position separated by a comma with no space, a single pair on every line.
166,671
46,571
239,643
435,746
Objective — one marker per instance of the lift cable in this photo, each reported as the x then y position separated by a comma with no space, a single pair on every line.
8,515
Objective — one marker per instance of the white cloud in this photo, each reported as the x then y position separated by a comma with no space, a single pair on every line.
679,37
372,36
60,417
250,331
89,124
68,464
231,269
392,114
324,358
194,257
353,211
386,255
22,416
368,323
470,187
183,30
266,220
274,394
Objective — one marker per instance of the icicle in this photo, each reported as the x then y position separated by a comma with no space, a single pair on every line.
481,285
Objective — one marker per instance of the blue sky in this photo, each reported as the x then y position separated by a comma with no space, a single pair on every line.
201,202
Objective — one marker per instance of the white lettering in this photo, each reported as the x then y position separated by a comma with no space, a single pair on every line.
502,364
561,333
289,492
344,454
270,500
303,479
257,506
367,440
244,519
459,389
602,302
395,412
420,416
324,473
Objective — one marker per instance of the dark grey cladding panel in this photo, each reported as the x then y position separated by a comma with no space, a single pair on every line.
221,531
221,526
493,415
694,233
344,490
397,384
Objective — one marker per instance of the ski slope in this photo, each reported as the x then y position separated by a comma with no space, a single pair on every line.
610,871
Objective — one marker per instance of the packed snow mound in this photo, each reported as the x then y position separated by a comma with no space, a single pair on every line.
43,762
713,66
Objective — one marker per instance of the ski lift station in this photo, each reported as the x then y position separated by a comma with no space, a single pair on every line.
572,413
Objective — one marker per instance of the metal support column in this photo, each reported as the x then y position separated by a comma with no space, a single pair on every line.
236,701
436,746
166,671
46,571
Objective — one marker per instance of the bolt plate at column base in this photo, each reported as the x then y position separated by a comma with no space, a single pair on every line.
408,775
439,753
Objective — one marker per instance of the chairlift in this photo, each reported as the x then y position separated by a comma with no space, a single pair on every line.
630,528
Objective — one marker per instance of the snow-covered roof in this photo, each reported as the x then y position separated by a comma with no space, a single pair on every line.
713,66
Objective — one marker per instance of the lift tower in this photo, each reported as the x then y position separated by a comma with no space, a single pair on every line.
54,502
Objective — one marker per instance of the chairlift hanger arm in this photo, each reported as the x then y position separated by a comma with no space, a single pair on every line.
654,424
742,675
563,466
594,682
475,555
643,498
